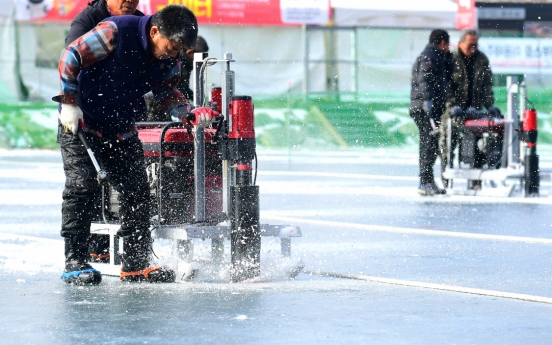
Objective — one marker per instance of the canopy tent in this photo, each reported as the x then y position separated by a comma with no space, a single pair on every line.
403,14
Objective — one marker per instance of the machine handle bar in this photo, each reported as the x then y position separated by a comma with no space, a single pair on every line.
471,114
102,174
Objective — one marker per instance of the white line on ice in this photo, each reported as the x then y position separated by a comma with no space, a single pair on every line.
460,289
338,175
400,156
405,193
41,164
41,174
14,237
31,197
350,176
411,231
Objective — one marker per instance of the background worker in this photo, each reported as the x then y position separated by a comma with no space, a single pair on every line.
96,11
187,59
427,104
155,113
96,89
470,86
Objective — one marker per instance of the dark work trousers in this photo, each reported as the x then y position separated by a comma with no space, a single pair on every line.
428,146
124,162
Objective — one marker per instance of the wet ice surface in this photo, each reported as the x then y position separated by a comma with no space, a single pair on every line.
347,187
41,310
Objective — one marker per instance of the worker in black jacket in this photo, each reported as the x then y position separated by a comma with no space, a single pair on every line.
427,104
98,10
86,20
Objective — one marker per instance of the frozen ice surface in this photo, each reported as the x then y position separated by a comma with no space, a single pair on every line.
330,196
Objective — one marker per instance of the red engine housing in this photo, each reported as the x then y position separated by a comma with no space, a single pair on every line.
177,179
178,142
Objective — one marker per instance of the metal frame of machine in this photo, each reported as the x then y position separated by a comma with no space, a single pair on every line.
236,140
519,161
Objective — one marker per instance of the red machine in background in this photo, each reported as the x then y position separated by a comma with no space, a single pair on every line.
498,151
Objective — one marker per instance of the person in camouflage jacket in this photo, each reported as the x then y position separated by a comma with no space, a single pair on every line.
470,86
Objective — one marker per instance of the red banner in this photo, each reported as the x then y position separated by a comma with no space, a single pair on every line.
208,12
228,12
466,17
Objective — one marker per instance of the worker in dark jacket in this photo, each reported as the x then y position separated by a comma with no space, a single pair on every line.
187,66
103,78
427,104
98,10
471,86
155,113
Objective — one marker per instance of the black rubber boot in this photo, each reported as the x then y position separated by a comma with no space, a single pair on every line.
430,189
77,270
136,257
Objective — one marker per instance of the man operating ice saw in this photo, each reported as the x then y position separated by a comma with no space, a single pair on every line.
104,75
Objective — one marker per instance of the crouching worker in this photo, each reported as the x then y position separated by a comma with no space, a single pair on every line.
104,75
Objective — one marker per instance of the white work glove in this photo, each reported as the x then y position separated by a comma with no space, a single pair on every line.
204,117
70,116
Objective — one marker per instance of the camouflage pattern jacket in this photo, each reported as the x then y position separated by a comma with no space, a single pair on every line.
482,86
